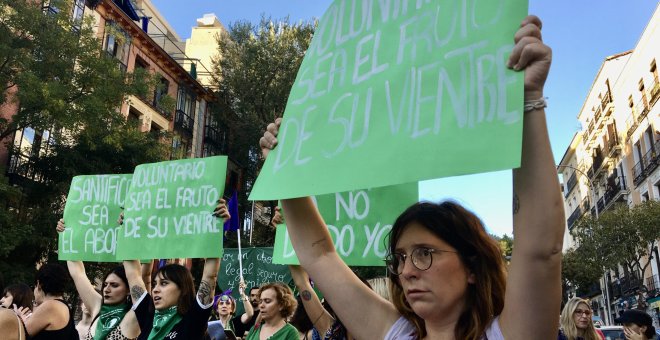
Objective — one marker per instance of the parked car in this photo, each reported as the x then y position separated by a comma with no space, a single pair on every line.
613,332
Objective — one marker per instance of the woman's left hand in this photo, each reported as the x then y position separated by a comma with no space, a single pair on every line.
531,55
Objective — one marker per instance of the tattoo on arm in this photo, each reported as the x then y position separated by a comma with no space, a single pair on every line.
516,203
306,295
318,242
204,292
136,293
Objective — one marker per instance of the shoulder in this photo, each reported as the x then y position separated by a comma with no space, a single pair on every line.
402,329
494,332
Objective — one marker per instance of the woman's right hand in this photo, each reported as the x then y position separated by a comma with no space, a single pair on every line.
269,139
60,226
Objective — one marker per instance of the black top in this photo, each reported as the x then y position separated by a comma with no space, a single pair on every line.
191,327
241,328
68,332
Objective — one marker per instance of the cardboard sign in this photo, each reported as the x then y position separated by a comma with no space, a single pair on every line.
359,222
393,92
169,207
257,270
90,215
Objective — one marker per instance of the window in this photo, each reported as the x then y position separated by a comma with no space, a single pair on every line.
656,191
654,71
161,90
117,43
78,12
645,197
180,147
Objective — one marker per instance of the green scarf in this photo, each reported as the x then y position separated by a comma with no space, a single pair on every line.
164,321
109,317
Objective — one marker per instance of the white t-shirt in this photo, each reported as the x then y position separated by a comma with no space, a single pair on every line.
405,330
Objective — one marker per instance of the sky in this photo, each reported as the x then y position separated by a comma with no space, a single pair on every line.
581,33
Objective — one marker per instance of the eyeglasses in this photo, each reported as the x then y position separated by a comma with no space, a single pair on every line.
580,312
421,258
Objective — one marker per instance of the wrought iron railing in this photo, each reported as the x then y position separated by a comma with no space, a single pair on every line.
183,122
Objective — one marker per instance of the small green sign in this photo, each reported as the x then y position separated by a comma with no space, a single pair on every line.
257,270
169,210
392,92
359,222
90,214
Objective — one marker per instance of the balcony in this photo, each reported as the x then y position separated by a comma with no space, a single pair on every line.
570,184
577,213
596,165
597,115
607,99
183,123
20,168
625,286
216,136
631,124
654,93
613,146
647,164
653,286
615,191
642,109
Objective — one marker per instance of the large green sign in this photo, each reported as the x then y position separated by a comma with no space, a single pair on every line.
394,92
359,222
169,207
91,212
257,270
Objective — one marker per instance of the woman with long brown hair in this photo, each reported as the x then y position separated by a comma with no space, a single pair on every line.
447,273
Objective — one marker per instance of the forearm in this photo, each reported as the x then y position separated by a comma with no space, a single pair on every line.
538,208
146,274
309,235
249,311
209,278
134,277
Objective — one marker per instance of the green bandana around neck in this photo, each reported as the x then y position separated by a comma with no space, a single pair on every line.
109,317
164,321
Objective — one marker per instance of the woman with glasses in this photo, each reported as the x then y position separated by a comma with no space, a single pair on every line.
447,273
224,307
575,321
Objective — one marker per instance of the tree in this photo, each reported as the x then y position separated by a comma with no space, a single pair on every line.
254,74
58,79
55,72
621,236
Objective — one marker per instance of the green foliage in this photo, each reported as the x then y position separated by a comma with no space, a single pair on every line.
621,236
254,75
58,76
61,81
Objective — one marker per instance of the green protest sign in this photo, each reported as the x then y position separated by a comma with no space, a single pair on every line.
257,270
169,207
359,222
90,214
394,92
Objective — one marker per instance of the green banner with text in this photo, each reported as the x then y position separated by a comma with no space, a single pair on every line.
258,268
90,215
169,210
359,222
392,92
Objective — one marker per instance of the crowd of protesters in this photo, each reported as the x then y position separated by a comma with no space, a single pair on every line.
447,278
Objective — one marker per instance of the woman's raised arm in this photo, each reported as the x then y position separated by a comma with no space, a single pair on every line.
313,245
538,213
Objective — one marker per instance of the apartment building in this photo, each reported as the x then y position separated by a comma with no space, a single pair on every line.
138,36
615,157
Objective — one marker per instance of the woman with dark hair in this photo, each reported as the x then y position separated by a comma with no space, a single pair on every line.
18,295
179,312
276,305
52,318
637,325
447,274
113,318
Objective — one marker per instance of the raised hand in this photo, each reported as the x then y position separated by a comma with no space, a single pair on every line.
269,139
221,210
60,226
531,55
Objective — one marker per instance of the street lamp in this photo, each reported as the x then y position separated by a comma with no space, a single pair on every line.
592,194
